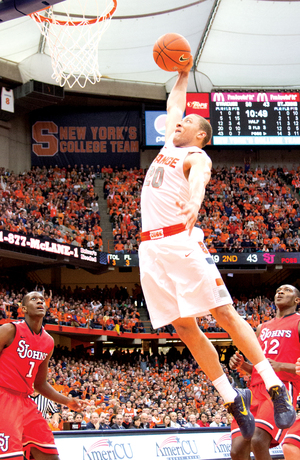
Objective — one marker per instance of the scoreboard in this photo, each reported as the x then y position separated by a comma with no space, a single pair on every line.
255,118
66,253
249,118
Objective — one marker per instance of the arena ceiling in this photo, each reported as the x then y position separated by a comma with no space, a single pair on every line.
237,44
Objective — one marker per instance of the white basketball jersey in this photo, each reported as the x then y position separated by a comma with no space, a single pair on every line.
164,185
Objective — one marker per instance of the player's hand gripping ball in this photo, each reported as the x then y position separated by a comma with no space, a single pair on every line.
172,52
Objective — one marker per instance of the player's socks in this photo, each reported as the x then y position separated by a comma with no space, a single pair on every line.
268,375
224,388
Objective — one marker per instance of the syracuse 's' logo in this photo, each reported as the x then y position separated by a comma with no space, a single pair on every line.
44,134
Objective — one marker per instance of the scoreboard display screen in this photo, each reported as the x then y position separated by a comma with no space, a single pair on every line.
255,118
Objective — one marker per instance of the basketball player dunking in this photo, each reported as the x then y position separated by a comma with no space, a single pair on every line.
25,350
179,278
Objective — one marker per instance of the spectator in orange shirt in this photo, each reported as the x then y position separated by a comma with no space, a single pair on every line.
67,317
119,248
212,249
110,323
48,299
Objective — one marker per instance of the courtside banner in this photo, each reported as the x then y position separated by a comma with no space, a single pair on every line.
105,138
205,444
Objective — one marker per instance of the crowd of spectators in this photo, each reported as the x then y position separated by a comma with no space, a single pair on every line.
114,309
56,204
245,210
131,390
122,191
255,311
250,210
136,391
109,309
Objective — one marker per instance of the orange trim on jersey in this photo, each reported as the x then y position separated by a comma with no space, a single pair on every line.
162,232
219,282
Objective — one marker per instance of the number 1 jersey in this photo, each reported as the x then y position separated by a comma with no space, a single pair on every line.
20,361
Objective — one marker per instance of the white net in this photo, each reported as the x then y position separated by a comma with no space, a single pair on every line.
73,33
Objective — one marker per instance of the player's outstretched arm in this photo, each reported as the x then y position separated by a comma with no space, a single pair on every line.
44,388
177,100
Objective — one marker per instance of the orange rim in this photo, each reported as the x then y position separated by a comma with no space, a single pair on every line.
40,18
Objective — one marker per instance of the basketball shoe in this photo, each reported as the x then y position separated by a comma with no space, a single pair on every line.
240,409
284,413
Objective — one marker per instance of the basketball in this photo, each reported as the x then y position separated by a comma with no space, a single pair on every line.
172,52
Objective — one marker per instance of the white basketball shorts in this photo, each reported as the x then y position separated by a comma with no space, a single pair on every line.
179,278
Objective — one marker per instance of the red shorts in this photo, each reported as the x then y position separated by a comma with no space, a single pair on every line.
22,426
293,435
263,411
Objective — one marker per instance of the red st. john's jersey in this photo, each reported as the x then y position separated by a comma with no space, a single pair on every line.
20,361
279,339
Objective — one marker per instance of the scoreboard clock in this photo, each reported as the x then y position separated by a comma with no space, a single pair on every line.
239,118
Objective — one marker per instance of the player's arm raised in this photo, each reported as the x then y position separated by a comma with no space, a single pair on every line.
177,100
44,388
198,169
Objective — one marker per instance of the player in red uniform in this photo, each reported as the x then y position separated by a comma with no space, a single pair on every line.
279,339
25,350
291,442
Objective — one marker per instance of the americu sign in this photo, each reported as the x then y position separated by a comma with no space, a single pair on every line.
157,444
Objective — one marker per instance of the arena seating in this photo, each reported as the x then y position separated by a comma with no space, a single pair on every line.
113,309
56,204
147,388
242,211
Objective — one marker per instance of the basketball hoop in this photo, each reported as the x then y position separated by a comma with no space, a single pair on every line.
73,41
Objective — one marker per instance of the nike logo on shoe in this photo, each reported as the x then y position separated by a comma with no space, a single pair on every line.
188,254
244,411
284,413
